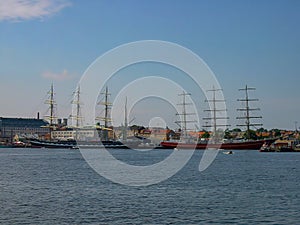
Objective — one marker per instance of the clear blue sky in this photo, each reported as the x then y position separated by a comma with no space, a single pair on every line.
243,42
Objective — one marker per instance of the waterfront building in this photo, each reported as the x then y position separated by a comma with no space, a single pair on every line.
23,127
83,134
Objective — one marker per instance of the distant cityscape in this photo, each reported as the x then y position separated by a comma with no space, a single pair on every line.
20,129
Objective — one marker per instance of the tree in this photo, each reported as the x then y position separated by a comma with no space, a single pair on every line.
276,132
236,130
227,134
252,135
205,135
260,130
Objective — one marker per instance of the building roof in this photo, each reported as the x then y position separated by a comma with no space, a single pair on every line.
23,122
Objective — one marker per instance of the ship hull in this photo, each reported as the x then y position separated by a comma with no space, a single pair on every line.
74,145
246,145
49,144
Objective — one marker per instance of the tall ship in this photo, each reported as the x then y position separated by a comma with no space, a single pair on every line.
98,136
51,143
215,141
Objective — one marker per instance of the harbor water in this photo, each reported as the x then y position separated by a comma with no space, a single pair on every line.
56,186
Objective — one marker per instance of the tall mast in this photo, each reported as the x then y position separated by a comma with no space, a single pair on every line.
247,111
125,121
106,108
107,105
184,114
106,118
51,103
76,101
214,118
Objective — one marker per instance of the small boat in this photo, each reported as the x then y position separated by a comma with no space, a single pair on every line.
228,153
266,148
281,146
17,144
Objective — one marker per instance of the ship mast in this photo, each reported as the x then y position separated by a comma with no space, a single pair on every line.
184,114
214,118
106,117
76,101
51,103
125,121
247,110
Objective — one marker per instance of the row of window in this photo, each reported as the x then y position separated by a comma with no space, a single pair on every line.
71,132
24,128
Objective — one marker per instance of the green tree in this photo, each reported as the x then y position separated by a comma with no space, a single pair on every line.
227,134
262,130
236,130
251,135
205,135
276,132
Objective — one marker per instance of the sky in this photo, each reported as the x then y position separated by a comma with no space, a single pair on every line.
254,43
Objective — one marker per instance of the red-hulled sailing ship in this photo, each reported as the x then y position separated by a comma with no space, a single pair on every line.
246,144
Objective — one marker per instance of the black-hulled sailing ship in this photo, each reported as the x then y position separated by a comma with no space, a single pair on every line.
105,131
105,134
51,143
